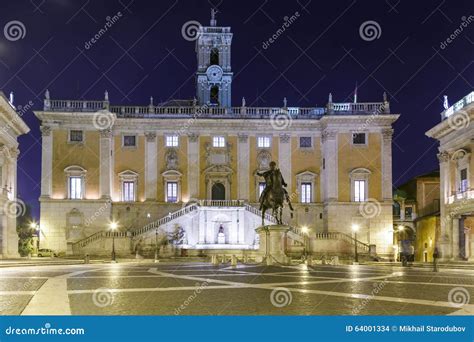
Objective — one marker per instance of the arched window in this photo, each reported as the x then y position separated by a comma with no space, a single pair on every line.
214,57
214,95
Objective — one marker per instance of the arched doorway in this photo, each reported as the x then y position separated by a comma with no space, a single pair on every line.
218,192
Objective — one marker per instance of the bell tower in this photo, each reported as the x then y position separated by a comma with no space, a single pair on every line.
214,75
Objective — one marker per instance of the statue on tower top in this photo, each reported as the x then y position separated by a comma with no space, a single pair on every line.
213,17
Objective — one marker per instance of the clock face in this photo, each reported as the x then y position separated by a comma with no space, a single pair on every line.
214,73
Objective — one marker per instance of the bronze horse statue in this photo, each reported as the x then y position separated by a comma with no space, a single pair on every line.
275,196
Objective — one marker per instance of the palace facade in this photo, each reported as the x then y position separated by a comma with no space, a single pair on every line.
189,168
455,134
11,126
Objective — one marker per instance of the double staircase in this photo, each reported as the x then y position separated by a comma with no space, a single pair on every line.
294,233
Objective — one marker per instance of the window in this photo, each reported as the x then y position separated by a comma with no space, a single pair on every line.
359,190
214,96
129,141
75,187
214,57
305,192
359,139
408,212
306,142
261,187
263,142
75,135
218,141
172,192
172,140
463,180
128,191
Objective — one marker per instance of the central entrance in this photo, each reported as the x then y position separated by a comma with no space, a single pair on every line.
218,192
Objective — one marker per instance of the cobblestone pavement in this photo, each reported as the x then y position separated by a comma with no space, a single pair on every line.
202,289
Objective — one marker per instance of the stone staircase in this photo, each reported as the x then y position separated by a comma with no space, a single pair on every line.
361,246
294,233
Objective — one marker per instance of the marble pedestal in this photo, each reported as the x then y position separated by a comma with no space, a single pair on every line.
272,243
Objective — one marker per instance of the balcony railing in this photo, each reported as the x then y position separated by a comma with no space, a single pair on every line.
461,195
469,98
150,111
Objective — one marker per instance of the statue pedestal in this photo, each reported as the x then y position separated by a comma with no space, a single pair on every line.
221,238
272,243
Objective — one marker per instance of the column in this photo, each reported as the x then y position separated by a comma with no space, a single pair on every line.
105,167
455,238
243,152
444,240
151,170
193,166
330,172
46,161
387,164
284,159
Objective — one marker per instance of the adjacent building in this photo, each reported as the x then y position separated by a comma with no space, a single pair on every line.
191,166
455,134
11,126
416,220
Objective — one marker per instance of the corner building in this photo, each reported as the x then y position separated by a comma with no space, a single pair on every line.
189,168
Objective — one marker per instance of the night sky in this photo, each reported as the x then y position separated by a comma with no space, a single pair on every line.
144,54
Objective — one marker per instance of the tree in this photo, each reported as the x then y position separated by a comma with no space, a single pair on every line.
25,232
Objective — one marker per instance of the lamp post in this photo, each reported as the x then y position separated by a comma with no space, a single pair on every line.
355,228
113,228
156,245
305,231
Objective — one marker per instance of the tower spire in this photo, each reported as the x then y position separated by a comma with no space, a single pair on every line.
213,17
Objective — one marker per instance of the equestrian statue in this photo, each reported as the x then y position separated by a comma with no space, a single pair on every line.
274,194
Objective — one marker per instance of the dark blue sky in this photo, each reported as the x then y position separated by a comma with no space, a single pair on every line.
144,54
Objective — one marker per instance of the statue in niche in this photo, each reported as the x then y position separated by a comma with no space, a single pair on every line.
171,159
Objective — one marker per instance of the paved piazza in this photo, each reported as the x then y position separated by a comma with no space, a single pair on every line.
203,289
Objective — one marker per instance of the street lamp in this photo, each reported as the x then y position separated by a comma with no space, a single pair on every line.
156,245
113,228
305,231
355,228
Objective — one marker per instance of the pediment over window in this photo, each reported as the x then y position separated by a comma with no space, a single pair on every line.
306,176
172,175
128,175
360,171
75,170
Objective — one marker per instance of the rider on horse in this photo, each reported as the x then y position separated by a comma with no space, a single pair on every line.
267,175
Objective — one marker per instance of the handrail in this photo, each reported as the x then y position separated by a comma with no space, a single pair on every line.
211,111
344,237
